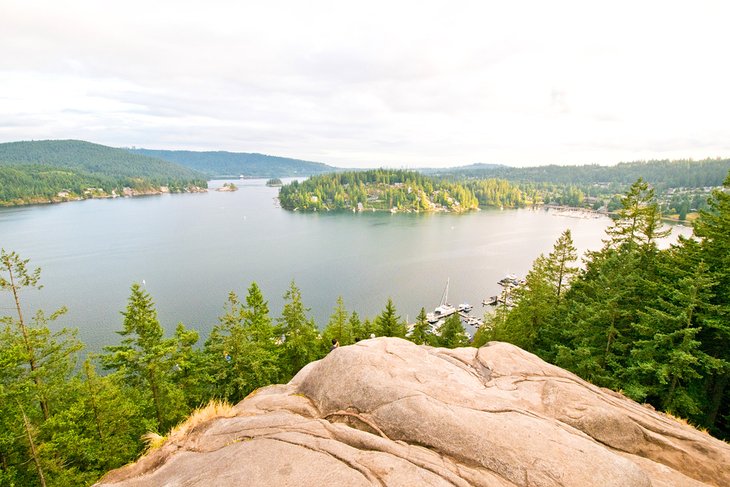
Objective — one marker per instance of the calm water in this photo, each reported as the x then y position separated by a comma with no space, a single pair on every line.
191,250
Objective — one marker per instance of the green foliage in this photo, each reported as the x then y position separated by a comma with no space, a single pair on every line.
653,323
531,324
274,182
149,361
650,322
388,323
37,172
638,222
227,164
661,174
485,333
339,327
452,333
421,332
241,352
379,189
301,342
58,425
682,184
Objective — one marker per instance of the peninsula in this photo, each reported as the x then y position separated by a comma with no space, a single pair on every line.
396,191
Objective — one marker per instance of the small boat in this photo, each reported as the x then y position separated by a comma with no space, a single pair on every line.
504,299
442,310
465,307
491,301
511,280
475,322
435,327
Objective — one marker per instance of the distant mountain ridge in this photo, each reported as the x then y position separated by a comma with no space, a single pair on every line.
234,164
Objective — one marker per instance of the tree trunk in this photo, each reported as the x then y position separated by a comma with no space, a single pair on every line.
28,348
92,398
156,398
33,451
716,394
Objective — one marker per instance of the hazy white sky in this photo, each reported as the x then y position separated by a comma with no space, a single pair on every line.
371,83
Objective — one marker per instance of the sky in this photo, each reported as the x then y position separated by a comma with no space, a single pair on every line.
374,83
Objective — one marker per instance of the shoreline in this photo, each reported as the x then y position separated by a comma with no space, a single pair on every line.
126,193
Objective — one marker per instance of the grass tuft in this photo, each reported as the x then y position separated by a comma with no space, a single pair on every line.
214,409
153,441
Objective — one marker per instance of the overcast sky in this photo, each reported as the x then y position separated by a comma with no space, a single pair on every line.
372,83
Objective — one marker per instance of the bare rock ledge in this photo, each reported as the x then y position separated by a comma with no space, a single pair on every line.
386,412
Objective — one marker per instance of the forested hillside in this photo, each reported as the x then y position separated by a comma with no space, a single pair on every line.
652,323
681,186
54,170
395,190
661,174
234,164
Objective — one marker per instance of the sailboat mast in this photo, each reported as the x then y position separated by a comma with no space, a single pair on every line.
445,297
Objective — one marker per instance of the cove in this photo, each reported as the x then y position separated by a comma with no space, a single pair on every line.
191,250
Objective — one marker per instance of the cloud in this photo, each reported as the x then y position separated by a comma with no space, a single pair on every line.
374,83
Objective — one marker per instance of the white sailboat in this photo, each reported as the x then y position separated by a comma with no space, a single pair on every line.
442,310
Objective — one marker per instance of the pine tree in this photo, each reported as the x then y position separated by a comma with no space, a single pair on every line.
560,269
45,354
531,324
712,229
241,351
99,428
149,360
667,355
36,365
421,332
301,342
535,304
452,333
338,328
595,331
388,323
359,332
639,221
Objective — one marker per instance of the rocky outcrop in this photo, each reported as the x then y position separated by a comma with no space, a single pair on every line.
387,412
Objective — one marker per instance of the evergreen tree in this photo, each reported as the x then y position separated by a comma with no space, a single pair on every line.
712,229
241,351
369,328
531,325
359,332
485,333
668,356
388,323
601,307
452,333
148,360
535,305
301,342
36,365
100,427
339,327
619,281
421,332
560,269
639,220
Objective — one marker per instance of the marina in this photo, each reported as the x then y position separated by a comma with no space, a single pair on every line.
438,317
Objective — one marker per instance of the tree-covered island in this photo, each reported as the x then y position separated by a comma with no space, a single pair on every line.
396,191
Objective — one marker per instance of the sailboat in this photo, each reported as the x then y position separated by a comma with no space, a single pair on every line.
442,310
